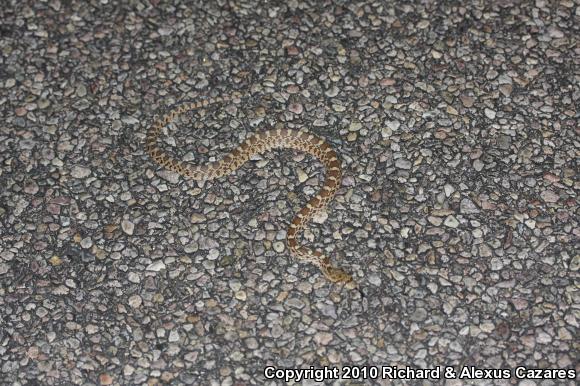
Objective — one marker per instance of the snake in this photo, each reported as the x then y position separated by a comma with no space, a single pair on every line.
258,143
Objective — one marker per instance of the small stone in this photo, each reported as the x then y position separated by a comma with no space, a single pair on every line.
449,190
53,209
235,285
543,338
393,125
240,295
355,126
80,172
419,315
485,251
351,137
468,207
555,33
55,5
81,90
173,336
491,74
55,261
135,301
323,338
436,54
127,227
478,165
519,304
156,266
33,352
435,220
386,132
301,175
549,196
105,379
296,108
169,176
489,113
320,217
197,218
506,89
86,243
504,142
31,187
213,254
423,24
451,222
279,246
128,370
467,100
292,50
385,82
134,277
565,334
43,103
328,310
6,255
402,163
496,264
374,279
332,92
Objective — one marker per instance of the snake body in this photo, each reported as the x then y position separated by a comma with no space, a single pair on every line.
256,144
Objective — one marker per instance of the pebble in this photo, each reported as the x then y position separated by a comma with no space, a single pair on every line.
197,218
156,266
549,196
31,187
332,92
240,295
279,246
468,207
403,164
86,243
302,176
105,379
419,315
127,226
478,165
355,126
80,171
451,222
135,301
296,108
323,338
490,113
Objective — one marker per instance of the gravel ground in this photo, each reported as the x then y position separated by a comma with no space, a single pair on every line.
457,128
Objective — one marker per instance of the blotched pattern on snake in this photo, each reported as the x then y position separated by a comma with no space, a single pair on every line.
259,143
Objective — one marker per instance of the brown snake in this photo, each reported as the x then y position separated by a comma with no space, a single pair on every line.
256,144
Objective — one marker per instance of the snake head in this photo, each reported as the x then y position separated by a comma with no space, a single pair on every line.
336,275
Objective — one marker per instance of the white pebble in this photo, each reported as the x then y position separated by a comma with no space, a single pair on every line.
156,266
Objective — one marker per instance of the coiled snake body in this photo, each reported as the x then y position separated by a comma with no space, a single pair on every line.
256,144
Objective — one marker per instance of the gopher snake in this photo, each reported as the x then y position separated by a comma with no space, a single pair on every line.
256,144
